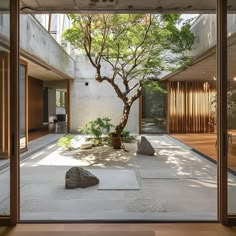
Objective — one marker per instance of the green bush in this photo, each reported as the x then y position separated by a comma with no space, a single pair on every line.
65,141
97,128
126,137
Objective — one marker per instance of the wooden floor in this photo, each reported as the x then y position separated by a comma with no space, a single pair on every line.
52,128
206,144
205,229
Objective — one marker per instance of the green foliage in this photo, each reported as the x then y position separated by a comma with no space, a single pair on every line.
231,107
126,137
65,141
154,85
97,128
136,45
125,133
99,141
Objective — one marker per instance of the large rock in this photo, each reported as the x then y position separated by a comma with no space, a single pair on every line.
145,148
77,177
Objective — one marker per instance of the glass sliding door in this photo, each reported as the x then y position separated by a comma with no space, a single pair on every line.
9,111
9,55
4,109
154,109
231,106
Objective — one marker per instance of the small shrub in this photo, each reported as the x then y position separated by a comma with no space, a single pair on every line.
96,129
99,141
66,141
126,137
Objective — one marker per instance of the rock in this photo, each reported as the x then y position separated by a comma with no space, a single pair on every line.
145,148
86,146
77,177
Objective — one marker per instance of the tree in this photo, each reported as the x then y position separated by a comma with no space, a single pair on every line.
136,46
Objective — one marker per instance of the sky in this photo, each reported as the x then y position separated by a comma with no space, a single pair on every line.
187,17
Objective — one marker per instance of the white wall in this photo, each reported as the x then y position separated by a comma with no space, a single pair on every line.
96,100
60,110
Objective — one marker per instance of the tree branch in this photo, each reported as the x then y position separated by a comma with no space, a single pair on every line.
136,95
140,44
114,85
130,89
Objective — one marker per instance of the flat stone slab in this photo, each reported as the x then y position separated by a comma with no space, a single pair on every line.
165,141
163,174
116,179
172,174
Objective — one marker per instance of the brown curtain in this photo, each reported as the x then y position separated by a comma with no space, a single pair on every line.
189,106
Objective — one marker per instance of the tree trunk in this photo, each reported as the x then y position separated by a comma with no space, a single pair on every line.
119,128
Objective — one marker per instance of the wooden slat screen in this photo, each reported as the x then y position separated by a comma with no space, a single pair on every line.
189,106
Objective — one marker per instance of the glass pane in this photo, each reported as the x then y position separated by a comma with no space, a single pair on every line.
4,109
178,183
22,96
154,106
231,99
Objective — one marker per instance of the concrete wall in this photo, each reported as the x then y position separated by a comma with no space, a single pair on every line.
5,25
59,23
35,40
96,99
204,28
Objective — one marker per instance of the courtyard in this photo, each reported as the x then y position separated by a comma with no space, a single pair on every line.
175,184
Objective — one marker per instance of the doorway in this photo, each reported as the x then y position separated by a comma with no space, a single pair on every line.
221,137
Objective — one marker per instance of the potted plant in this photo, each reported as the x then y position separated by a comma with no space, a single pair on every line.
115,140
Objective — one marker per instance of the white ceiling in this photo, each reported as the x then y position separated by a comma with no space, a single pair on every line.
201,71
205,69
42,73
63,6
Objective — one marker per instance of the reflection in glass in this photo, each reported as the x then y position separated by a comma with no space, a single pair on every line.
154,106
22,107
4,111
231,107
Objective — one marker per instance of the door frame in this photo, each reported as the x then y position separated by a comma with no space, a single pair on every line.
13,217
14,112
221,124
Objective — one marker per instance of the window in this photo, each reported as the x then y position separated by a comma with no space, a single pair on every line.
60,98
